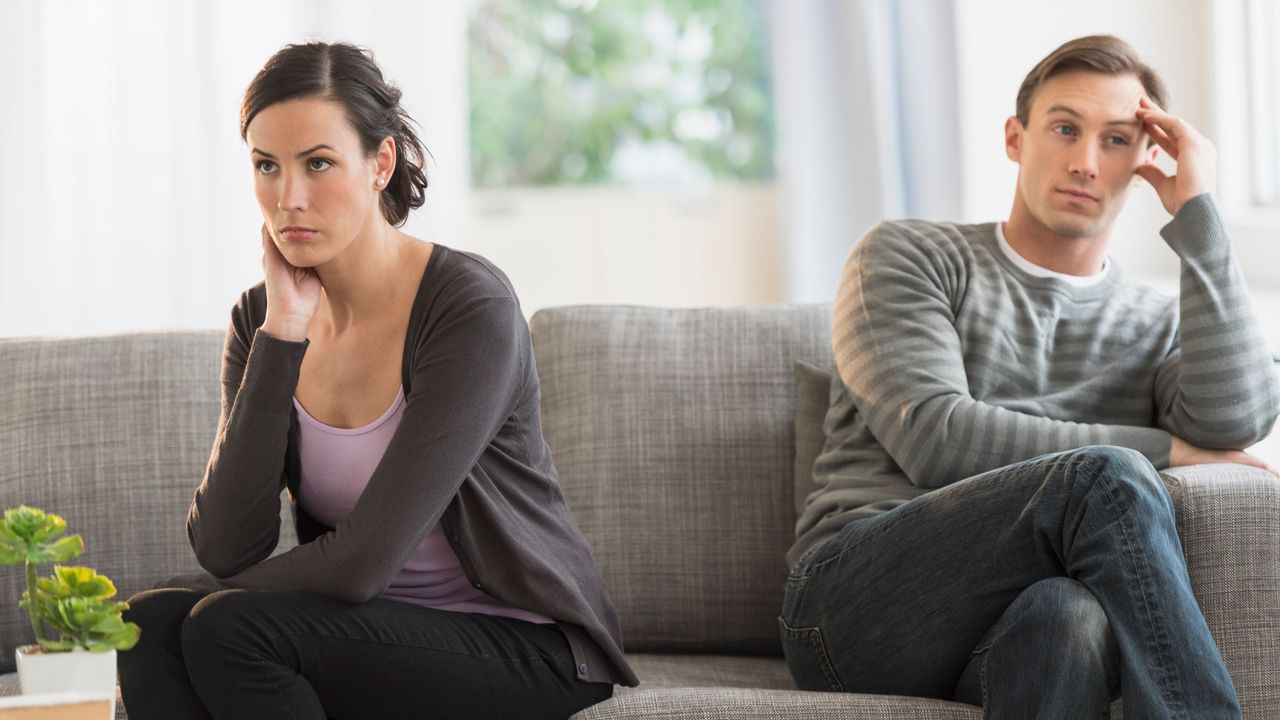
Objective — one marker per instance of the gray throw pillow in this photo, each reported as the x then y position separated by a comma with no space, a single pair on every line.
813,394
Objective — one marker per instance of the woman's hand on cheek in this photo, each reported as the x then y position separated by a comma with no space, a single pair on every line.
293,293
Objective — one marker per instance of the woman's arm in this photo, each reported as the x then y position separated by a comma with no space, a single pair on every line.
234,518
469,368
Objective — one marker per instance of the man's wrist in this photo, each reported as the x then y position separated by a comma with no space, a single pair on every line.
1197,230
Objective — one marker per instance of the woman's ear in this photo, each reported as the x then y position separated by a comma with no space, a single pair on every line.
385,160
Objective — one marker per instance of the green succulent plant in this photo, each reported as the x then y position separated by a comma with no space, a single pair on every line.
74,601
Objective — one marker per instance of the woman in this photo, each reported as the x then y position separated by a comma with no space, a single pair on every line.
389,383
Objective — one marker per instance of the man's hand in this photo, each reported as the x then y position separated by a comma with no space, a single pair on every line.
1196,157
1184,453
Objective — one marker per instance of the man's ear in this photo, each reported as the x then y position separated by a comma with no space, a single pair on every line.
1013,131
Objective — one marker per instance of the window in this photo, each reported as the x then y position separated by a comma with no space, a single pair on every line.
626,92
1263,24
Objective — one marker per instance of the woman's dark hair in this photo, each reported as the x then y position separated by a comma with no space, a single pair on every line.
347,75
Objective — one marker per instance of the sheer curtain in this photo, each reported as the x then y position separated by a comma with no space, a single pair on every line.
125,192
867,126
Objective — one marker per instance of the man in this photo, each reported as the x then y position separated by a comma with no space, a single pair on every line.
990,525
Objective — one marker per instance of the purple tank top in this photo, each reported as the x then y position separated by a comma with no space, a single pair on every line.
337,464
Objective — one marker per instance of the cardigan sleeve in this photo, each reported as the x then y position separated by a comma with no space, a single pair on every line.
234,518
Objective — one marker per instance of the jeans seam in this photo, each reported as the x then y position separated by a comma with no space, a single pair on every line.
1126,535
811,637
982,684
796,592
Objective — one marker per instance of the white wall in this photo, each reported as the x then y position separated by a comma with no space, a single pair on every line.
693,247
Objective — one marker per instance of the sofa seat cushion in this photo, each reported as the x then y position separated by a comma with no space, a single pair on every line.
746,686
681,671
713,703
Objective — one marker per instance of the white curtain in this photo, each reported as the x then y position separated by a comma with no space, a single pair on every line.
125,192
868,115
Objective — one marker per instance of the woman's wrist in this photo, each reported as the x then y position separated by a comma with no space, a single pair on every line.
289,329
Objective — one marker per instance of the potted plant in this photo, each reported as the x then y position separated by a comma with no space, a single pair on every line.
78,628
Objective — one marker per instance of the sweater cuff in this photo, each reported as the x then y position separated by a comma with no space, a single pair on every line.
1154,443
271,371
1197,230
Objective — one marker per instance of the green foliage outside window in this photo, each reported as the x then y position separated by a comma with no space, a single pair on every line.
573,92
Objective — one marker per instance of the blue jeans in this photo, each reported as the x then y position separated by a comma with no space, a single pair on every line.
1043,589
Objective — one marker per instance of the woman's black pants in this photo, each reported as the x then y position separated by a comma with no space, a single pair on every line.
261,655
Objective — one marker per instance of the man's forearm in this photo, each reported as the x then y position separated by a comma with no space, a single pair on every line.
1217,389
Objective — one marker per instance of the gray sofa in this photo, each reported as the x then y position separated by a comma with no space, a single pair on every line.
683,441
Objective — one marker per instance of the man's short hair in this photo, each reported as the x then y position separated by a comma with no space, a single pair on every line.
1105,54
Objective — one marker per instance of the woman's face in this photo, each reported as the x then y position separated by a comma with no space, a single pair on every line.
314,183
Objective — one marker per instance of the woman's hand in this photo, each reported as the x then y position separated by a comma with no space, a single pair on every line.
293,293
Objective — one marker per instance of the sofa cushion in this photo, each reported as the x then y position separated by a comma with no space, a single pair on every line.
730,703
813,394
696,670
112,433
672,431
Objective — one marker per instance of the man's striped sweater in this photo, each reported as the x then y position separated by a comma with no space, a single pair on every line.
952,361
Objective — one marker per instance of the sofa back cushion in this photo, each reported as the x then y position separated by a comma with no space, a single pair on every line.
112,433
672,431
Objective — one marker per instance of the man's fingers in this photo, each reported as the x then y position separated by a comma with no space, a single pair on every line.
1244,458
1175,126
1162,138
1152,174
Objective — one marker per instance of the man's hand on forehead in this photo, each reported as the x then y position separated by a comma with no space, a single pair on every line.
1196,157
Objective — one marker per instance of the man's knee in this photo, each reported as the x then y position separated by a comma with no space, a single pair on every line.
1127,474
1066,615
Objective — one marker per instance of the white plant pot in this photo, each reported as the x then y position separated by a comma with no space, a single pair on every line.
86,673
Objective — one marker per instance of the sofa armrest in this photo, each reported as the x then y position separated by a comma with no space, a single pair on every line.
1228,518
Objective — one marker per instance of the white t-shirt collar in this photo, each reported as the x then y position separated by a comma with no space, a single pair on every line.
1034,269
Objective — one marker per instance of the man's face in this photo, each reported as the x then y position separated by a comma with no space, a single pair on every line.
1078,152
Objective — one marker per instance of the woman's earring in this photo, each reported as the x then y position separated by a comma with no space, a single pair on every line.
380,181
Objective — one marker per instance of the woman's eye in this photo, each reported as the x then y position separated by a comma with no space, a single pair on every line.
1118,140
265,166
319,164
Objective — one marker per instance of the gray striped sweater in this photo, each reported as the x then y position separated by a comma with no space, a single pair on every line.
953,361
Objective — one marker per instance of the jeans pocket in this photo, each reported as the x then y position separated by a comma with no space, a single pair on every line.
807,658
